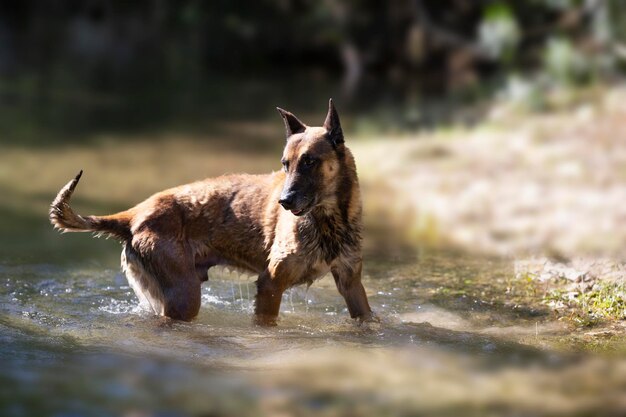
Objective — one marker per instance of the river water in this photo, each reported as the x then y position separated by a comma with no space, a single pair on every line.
74,342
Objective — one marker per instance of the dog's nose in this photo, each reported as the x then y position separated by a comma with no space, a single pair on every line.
286,201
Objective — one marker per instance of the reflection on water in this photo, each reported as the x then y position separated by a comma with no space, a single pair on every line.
74,342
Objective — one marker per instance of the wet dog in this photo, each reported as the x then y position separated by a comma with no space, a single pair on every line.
289,227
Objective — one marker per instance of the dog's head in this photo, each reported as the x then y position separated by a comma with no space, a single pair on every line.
312,160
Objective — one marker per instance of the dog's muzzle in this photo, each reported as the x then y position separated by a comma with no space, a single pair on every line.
288,201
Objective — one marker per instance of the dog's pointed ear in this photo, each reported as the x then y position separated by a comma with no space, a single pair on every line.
333,125
292,123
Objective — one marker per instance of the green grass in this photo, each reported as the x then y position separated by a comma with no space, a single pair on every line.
605,302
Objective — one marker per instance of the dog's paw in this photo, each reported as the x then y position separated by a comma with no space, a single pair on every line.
370,320
265,321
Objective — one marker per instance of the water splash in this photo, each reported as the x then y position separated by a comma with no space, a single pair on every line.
317,348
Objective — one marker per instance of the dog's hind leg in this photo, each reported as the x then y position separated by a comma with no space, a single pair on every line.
173,265
165,278
145,286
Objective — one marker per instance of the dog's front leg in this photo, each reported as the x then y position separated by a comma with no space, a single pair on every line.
348,280
269,295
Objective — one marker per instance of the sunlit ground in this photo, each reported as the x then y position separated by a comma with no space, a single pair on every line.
464,232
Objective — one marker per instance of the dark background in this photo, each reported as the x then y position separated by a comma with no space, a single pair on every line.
73,67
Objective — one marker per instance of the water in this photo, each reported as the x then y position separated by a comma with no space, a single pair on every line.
73,341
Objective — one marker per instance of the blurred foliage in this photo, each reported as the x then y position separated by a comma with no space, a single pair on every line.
101,64
563,62
499,32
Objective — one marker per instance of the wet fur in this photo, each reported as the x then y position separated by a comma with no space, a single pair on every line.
174,237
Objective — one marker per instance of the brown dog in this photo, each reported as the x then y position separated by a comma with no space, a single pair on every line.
173,238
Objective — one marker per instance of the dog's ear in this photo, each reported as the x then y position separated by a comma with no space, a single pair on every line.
292,123
332,125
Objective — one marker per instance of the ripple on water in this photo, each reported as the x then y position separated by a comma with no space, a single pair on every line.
62,315
115,306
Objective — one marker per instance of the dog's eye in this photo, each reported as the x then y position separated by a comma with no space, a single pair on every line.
307,160
285,165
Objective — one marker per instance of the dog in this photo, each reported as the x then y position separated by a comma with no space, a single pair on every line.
290,227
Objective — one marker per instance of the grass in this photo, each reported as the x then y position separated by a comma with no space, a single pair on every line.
606,301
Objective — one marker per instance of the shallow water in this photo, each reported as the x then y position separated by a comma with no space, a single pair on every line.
75,342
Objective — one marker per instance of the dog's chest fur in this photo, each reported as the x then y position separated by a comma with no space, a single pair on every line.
326,237
309,247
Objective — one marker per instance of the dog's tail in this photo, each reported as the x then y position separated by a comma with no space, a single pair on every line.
65,219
